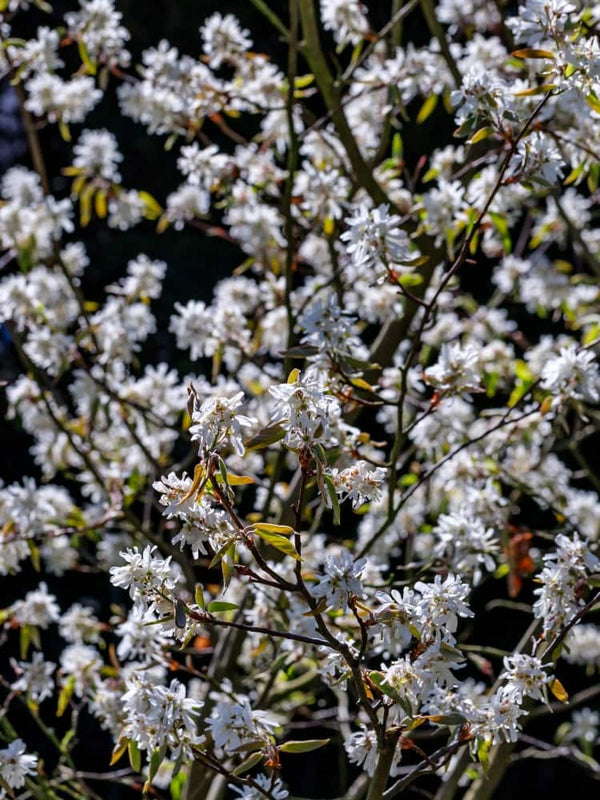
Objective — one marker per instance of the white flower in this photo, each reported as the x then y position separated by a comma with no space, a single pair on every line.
82,664
442,602
345,19
584,725
359,483
582,646
525,676
234,723
462,538
38,608
361,747
341,580
78,625
97,155
457,369
144,575
573,373
216,423
35,678
304,410
374,237
15,765
223,38
273,785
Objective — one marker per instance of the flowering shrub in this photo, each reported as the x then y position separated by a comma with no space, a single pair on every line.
308,522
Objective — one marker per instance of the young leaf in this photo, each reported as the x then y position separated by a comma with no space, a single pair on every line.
558,690
118,751
304,746
218,606
135,757
248,763
268,527
65,695
278,542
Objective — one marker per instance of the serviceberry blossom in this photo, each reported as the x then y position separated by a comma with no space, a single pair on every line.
216,423
97,155
38,608
359,483
156,714
273,785
341,581
463,539
584,726
361,747
558,598
35,677
525,676
374,238
304,410
144,575
16,765
327,327
456,370
345,19
539,20
442,603
573,373
409,332
582,646
234,723
224,39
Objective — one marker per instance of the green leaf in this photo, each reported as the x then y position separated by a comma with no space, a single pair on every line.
531,52
100,204
66,693
220,554
302,81
408,479
502,571
483,751
34,553
152,209
480,135
217,606
543,89
410,279
280,543
24,640
85,205
501,225
64,130
300,351
135,757
268,527
156,760
248,763
397,146
265,437
85,57
333,499
447,719
118,751
427,108
177,786
199,596
304,746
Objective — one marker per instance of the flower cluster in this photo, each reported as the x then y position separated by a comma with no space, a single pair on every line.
313,492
